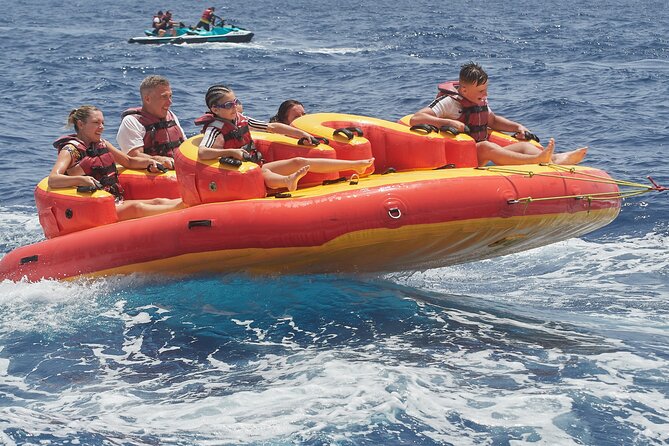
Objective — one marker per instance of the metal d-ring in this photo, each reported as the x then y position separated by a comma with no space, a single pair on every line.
394,213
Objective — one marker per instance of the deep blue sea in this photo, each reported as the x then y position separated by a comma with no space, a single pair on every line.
563,345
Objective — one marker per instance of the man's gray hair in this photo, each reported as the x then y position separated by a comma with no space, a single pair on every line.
151,82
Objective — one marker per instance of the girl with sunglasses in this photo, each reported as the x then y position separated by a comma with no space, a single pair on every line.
227,134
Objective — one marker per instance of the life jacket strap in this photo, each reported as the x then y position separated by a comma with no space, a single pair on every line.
163,149
237,133
107,181
254,153
475,109
477,128
96,151
160,125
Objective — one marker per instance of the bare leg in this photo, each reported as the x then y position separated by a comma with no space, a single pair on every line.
318,165
513,154
573,157
524,148
130,209
275,180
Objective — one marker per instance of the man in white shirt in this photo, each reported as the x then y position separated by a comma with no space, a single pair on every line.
153,130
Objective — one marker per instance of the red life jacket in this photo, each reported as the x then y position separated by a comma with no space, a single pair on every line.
206,16
96,161
162,135
235,135
472,115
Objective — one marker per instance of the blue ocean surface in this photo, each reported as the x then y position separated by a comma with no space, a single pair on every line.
567,344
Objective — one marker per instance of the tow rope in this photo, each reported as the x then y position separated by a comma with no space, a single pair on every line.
632,189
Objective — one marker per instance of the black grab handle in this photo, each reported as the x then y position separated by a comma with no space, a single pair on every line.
230,161
531,137
82,189
312,139
343,131
348,132
450,129
427,128
199,224
335,181
29,259
315,140
527,136
159,167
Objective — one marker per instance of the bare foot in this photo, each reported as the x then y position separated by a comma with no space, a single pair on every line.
573,157
363,165
293,178
546,154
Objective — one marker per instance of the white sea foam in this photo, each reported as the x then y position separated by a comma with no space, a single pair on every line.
275,47
304,394
340,50
311,393
47,305
625,278
20,226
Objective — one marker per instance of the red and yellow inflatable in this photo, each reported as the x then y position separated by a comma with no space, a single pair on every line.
415,216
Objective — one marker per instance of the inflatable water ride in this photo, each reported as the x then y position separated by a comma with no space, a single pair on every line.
184,34
426,204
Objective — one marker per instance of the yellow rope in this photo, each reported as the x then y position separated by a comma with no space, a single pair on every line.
585,174
601,196
589,176
602,179
592,178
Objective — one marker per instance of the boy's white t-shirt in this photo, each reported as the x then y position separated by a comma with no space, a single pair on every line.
446,107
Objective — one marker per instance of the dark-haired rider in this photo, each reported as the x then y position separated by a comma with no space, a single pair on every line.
157,24
208,18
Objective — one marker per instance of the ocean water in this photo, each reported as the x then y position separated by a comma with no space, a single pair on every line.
567,344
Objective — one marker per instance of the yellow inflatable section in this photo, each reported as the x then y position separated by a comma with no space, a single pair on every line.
497,137
393,145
